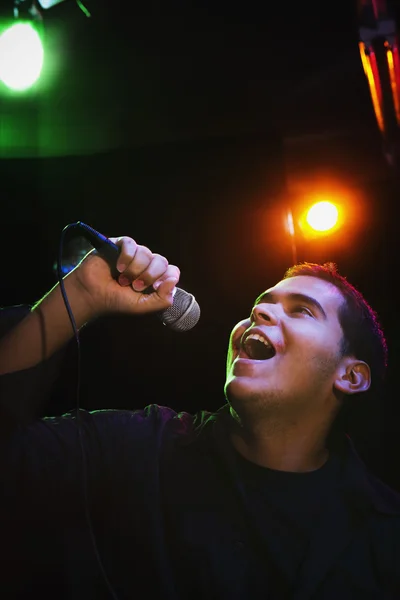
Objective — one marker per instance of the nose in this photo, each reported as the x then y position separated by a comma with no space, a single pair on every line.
264,314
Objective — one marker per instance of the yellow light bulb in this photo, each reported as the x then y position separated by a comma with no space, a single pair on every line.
322,216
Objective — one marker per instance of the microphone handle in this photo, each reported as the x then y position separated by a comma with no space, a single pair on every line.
184,312
105,247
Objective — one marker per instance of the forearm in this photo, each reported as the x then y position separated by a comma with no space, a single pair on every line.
46,329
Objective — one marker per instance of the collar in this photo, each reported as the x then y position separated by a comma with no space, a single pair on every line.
360,488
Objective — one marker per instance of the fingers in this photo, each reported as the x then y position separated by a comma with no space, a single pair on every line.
127,253
165,286
142,268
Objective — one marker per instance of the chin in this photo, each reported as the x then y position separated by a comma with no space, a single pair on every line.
233,387
250,402
240,390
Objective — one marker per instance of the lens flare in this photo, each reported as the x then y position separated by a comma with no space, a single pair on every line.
21,56
322,216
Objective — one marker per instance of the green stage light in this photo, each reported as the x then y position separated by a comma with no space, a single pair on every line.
21,56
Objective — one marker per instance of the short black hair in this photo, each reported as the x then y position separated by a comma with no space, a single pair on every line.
363,336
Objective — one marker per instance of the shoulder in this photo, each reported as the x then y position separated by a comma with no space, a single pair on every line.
109,432
385,529
386,500
153,416
364,486
151,422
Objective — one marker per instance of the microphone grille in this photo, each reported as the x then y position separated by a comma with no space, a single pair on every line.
184,312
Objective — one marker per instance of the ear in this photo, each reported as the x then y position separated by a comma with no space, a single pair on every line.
353,376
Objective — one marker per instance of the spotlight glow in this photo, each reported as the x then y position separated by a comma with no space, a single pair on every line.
322,216
21,56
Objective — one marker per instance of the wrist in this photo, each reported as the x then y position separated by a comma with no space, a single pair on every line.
85,304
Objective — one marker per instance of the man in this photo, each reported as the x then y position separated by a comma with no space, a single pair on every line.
264,499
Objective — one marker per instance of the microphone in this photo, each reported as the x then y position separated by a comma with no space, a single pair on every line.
184,312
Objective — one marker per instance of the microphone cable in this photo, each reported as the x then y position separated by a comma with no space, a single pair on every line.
78,417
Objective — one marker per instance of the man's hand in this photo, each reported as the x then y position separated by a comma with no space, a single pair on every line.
140,270
91,292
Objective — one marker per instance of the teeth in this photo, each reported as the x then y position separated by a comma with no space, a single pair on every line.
256,336
257,347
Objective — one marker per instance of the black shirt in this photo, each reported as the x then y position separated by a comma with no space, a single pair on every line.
287,507
178,514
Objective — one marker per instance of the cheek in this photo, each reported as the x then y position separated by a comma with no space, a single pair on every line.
306,334
318,352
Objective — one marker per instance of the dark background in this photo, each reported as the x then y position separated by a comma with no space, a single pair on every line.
191,129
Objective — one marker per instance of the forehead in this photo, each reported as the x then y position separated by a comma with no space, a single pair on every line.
324,292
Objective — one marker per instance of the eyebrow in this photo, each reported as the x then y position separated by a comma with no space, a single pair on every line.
271,298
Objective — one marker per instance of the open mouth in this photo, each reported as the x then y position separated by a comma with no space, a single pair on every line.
257,347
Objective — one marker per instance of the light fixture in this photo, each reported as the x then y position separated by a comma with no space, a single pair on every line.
323,216
21,48
21,56
49,3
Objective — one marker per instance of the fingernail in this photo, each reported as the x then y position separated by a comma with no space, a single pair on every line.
138,285
156,285
122,280
121,267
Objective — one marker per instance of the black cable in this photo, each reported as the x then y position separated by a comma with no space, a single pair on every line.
78,417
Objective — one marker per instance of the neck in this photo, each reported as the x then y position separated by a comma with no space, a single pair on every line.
295,447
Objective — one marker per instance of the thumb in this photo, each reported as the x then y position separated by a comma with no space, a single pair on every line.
166,289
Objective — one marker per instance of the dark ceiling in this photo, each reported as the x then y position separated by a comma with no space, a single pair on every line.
136,74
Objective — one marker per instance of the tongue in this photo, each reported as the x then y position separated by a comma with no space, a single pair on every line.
256,350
